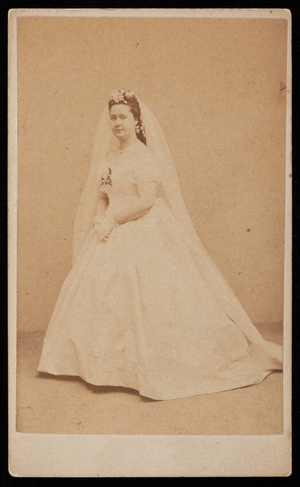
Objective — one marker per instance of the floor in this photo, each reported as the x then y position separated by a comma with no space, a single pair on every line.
48,404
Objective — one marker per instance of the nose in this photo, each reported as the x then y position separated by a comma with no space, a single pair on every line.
117,122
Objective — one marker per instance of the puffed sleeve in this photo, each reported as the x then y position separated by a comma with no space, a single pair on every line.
146,168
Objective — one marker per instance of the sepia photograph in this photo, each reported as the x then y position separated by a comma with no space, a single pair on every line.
149,241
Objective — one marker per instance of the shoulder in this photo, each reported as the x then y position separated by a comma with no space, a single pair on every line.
144,156
145,165
142,151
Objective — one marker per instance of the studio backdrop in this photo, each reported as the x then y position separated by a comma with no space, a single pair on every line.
217,87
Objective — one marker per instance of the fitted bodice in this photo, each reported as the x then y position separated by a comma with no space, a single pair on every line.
119,179
121,183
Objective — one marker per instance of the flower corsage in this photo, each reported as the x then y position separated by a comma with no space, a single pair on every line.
105,180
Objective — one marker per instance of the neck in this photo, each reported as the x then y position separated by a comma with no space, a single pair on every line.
127,142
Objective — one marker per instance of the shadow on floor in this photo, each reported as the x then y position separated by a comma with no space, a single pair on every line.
69,405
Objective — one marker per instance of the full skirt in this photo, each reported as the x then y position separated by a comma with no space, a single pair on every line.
136,312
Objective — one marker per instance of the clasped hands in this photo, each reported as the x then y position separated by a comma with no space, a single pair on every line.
104,227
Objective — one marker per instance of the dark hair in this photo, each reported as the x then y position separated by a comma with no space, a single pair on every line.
129,99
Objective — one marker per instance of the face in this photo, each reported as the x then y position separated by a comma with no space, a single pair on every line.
122,122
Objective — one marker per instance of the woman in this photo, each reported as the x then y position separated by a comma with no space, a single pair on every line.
144,307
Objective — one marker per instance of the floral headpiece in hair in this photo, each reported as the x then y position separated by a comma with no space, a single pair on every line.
119,96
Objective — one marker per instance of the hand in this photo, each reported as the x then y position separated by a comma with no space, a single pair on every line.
104,228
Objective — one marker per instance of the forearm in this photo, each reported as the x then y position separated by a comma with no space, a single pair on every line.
128,210
131,210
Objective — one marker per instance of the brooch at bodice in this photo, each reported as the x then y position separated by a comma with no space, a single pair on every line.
105,179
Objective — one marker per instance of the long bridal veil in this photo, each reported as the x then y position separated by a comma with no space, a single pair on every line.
269,353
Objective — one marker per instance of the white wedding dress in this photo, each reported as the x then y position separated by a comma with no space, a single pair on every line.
136,311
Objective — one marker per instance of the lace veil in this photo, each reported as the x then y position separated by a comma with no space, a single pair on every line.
171,193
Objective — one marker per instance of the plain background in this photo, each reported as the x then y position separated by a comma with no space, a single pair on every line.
217,88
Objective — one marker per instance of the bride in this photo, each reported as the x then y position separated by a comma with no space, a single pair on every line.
144,306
